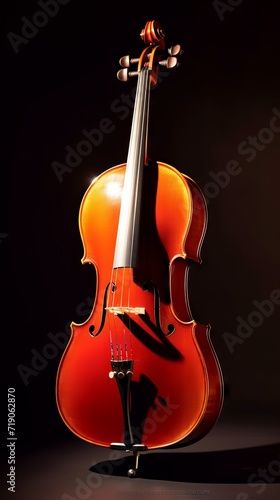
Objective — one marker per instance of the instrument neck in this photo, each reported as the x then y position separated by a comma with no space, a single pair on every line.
126,250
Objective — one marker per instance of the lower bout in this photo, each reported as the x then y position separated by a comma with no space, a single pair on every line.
153,416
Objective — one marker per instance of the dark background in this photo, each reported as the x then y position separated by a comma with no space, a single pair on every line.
62,81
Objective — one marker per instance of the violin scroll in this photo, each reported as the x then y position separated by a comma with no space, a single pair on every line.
152,33
151,57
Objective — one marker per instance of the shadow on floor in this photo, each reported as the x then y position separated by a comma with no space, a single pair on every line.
256,464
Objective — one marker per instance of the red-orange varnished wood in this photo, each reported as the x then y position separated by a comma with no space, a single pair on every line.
176,389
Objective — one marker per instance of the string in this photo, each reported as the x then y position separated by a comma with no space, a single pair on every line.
126,251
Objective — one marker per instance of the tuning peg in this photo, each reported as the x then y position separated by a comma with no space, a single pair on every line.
170,62
125,61
175,50
124,74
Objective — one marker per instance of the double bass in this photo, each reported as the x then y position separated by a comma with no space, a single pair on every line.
140,374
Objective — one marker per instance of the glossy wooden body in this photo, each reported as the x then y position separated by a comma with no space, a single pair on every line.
176,387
